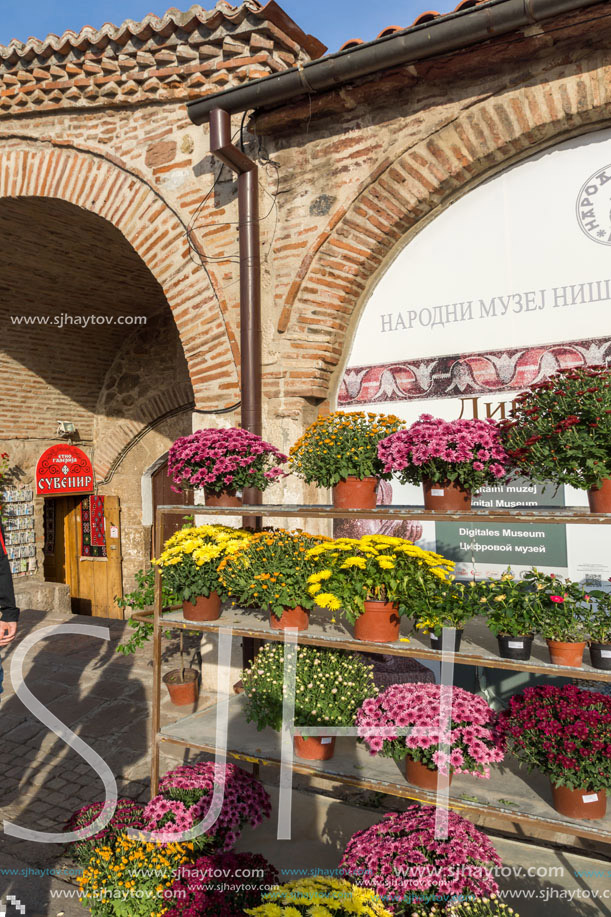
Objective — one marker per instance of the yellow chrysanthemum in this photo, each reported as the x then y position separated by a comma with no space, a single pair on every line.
320,576
328,600
354,562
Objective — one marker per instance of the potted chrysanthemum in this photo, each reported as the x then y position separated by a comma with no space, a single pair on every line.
451,459
132,874
403,859
373,580
341,451
196,889
190,562
224,463
320,895
461,740
565,733
560,429
127,814
186,795
330,687
271,572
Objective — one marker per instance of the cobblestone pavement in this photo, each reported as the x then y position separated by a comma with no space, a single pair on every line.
105,698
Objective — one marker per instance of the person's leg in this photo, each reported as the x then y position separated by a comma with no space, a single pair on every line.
1,677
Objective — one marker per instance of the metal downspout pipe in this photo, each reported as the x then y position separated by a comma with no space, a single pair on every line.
223,149
247,171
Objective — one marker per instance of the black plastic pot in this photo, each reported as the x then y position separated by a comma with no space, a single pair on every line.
452,641
515,647
600,655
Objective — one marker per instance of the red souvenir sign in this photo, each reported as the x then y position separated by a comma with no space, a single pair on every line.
63,470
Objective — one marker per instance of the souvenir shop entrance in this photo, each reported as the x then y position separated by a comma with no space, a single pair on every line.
83,549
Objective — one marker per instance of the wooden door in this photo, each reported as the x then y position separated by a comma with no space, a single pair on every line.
94,582
163,495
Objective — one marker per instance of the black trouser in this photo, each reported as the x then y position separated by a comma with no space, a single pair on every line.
8,609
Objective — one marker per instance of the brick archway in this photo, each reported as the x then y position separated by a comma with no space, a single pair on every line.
401,196
155,231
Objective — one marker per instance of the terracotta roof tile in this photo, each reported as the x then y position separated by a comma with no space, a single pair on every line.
390,30
173,56
421,19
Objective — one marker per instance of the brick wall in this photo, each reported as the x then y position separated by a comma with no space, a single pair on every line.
122,207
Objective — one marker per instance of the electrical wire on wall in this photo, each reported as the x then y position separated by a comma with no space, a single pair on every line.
194,251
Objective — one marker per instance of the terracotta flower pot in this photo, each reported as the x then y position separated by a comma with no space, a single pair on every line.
355,493
600,498
182,693
580,804
314,748
379,623
291,617
206,608
445,496
569,654
420,775
226,498
600,656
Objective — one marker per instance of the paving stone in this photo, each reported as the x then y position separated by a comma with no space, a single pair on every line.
26,731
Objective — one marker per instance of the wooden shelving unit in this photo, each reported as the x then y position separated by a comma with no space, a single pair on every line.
508,795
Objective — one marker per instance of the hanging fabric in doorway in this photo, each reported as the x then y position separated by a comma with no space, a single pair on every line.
93,527
49,526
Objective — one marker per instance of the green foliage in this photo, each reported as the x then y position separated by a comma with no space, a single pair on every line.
564,615
513,607
599,615
445,604
331,685
142,598
271,572
560,429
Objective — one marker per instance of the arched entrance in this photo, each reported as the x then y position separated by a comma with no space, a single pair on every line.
88,341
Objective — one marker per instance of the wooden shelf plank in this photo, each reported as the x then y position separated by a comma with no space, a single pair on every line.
510,794
575,515
478,648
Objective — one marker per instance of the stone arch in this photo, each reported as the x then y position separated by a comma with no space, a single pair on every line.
401,196
107,188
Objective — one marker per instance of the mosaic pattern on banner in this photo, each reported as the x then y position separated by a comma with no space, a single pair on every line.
462,374
93,529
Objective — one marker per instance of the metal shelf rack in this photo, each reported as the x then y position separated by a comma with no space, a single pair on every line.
508,795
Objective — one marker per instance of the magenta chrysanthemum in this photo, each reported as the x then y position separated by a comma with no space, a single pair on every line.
219,460
464,739
222,885
466,452
128,814
402,860
565,732
184,799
